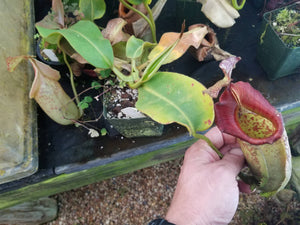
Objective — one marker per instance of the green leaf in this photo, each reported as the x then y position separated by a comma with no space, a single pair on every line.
96,85
83,105
120,50
173,97
48,34
88,99
103,132
158,61
87,40
92,9
105,73
134,47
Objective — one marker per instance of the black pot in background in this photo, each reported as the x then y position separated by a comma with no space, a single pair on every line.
42,59
276,58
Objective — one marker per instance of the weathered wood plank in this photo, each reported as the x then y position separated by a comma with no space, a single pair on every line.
295,141
70,181
295,179
291,119
34,212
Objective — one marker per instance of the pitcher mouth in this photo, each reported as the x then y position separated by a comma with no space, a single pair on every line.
244,113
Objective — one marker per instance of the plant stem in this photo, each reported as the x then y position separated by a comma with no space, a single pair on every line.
288,34
238,4
294,24
86,90
143,16
134,71
72,82
135,85
153,28
203,137
121,76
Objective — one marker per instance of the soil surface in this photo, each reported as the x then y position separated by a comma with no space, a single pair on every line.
118,99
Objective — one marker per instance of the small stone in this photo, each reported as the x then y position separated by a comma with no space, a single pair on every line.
131,112
285,196
125,95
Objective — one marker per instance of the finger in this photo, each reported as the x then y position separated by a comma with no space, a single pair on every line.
200,150
219,138
228,147
234,160
200,153
215,136
229,139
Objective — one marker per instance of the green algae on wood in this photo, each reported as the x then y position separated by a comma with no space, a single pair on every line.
18,135
65,182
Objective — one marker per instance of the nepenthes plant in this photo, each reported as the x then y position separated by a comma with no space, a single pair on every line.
169,97
244,113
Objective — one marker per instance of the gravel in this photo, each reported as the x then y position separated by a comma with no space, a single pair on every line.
141,196
134,198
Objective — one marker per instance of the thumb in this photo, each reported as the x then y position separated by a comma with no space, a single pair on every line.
234,159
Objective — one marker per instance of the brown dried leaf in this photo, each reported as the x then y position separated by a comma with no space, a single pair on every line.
48,22
130,16
58,9
114,31
209,47
55,20
227,66
77,68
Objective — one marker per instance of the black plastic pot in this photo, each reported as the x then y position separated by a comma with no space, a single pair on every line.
276,58
136,127
132,127
41,58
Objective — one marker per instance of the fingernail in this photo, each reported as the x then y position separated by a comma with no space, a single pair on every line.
236,151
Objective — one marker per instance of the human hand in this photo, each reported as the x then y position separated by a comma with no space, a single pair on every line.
207,191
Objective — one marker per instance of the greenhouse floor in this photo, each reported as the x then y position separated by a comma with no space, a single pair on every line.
139,197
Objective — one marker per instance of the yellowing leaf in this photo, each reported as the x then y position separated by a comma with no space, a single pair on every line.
193,38
172,97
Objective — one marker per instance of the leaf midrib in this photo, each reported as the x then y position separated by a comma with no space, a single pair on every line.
95,46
